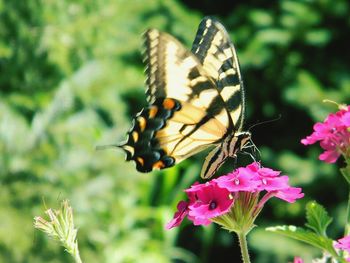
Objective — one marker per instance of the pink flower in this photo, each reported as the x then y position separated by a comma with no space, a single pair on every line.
211,201
273,183
298,260
208,201
253,178
333,134
182,211
346,119
290,194
239,180
266,178
344,244
266,172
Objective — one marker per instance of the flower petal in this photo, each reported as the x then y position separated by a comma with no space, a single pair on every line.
182,211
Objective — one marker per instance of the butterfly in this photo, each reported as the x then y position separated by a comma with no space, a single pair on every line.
195,100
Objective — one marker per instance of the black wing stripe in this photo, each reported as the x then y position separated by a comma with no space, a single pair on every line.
203,40
199,86
213,162
229,80
234,101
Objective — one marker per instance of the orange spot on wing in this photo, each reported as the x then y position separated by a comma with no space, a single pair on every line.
140,160
158,165
153,111
142,123
169,104
135,136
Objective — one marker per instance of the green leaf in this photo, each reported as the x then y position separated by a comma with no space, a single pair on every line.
318,37
346,172
261,18
275,36
308,237
317,218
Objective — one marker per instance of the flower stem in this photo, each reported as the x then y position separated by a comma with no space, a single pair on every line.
244,247
347,223
77,257
346,173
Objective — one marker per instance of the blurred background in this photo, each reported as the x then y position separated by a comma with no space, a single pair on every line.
71,78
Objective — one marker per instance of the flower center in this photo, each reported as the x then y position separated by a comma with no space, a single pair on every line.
212,205
236,181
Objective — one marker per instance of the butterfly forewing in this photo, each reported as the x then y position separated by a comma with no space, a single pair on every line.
218,56
174,72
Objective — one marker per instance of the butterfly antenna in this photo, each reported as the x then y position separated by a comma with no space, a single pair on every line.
265,122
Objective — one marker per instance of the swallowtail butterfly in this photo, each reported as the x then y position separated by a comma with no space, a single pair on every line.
195,100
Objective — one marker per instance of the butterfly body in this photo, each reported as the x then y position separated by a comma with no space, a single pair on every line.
196,100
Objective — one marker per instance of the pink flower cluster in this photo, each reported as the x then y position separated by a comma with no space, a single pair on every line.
344,244
216,197
333,134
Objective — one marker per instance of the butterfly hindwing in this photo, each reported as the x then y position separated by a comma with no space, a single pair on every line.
141,145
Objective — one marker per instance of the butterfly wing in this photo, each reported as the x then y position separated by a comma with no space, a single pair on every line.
216,53
186,112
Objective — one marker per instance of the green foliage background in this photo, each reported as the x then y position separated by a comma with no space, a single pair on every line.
71,78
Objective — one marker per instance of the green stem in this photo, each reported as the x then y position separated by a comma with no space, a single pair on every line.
77,258
244,247
74,251
347,225
346,173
